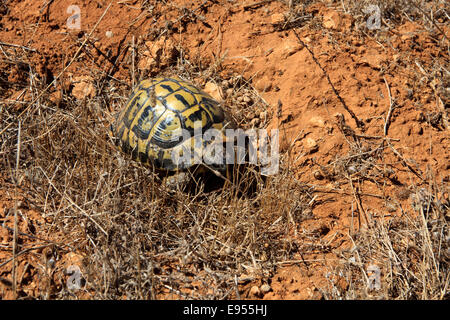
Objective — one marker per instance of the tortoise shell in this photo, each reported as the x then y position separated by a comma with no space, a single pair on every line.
161,120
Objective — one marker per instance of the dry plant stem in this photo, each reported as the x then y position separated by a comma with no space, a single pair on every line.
60,74
236,286
19,233
359,123
178,292
16,46
391,108
14,247
403,160
25,251
360,263
357,197
257,4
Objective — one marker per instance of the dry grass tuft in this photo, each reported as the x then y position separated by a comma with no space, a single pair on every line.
411,253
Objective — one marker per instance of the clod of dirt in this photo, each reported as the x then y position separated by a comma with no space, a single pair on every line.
83,87
277,18
265,288
334,20
290,46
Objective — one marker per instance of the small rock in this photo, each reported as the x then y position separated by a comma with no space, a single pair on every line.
290,47
147,62
109,34
255,292
335,21
226,83
316,121
265,288
277,18
318,175
159,53
373,59
214,90
407,36
310,145
391,206
56,97
83,87
263,84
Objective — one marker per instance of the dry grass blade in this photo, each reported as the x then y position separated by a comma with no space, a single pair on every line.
15,234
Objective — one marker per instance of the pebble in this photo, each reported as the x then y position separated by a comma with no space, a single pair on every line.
254,291
290,47
265,288
317,121
254,122
277,18
318,175
214,90
310,145
83,87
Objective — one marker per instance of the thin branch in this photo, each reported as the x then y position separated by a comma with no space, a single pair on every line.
16,46
359,123
391,108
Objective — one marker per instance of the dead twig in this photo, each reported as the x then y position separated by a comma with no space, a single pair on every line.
257,4
23,252
17,46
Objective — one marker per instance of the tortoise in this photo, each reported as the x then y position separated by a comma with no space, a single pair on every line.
165,120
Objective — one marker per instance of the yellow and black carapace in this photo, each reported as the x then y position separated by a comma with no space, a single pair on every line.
153,125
